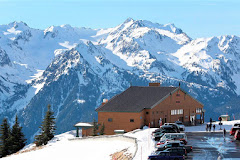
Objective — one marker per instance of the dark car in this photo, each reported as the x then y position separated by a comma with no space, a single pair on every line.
157,136
157,130
171,144
170,127
181,151
236,125
163,129
233,130
173,125
165,155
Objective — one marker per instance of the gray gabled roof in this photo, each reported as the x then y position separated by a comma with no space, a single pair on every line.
135,99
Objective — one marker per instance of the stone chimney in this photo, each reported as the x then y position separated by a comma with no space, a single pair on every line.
154,84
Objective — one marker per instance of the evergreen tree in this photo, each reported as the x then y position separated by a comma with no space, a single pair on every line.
102,129
47,128
4,138
95,127
17,139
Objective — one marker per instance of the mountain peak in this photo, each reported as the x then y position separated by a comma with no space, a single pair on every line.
66,26
16,24
128,20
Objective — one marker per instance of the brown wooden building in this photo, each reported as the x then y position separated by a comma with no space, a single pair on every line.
139,106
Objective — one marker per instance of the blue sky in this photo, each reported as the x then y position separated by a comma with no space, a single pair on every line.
198,18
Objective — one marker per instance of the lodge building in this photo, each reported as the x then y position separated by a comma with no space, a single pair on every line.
149,105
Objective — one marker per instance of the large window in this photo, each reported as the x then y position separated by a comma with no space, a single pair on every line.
176,111
131,120
110,120
198,110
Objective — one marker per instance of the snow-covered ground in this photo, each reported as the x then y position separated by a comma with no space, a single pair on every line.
63,148
66,146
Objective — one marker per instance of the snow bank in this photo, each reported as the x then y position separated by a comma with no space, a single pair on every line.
66,146
145,142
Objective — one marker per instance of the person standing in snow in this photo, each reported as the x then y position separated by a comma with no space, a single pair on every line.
210,127
224,133
206,127
214,128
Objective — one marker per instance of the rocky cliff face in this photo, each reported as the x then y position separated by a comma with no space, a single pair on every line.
73,69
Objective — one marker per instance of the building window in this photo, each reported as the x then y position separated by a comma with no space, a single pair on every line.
152,112
176,111
177,101
157,112
131,120
178,95
109,119
198,110
146,112
180,111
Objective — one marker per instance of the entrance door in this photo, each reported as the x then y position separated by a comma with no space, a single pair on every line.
192,119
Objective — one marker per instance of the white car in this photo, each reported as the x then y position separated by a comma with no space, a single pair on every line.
173,136
169,142
181,126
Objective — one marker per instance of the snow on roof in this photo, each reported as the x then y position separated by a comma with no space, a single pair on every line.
80,124
224,115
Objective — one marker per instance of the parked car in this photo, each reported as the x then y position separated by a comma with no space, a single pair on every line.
181,126
174,125
174,136
158,135
233,130
181,151
237,135
163,128
171,144
236,125
161,131
166,155
157,130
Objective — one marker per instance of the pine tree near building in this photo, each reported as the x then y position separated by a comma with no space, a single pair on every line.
102,129
4,138
47,128
17,138
95,127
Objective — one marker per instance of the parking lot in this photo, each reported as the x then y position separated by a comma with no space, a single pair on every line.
212,146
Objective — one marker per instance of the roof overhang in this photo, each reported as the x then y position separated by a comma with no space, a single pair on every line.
83,125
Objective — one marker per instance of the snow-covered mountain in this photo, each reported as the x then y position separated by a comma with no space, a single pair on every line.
73,69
